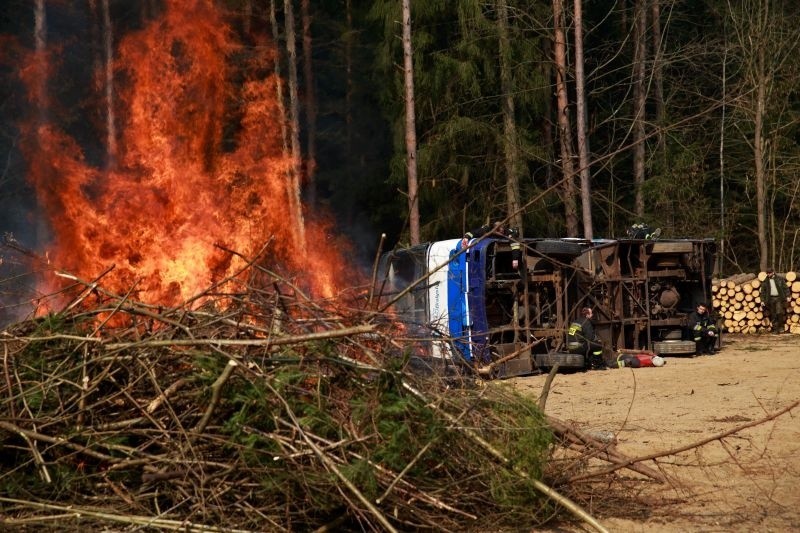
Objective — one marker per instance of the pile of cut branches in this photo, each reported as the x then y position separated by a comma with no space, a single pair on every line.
260,410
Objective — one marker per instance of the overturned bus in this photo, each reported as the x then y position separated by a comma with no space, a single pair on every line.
472,307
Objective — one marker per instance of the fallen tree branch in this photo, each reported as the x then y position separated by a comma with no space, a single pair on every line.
607,451
375,269
278,341
697,444
146,521
488,369
215,390
161,398
26,433
9,338
546,388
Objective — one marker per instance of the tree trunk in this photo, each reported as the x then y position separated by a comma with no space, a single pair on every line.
311,106
111,122
96,36
564,129
758,156
583,140
510,147
294,126
40,41
41,98
722,230
278,83
658,79
348,97
148,9
639,96
411,135
247,16
547,125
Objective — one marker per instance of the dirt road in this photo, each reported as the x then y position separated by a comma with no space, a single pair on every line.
746,482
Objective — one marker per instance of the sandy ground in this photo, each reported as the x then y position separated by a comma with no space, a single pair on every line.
746,482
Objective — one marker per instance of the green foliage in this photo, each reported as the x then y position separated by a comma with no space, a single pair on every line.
362,474
43,358
64,480
679,184
208,366
403,426
515,425
528,441
458,106
511,423
50,324
251,407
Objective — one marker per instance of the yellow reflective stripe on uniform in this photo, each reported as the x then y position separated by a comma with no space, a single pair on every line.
574,329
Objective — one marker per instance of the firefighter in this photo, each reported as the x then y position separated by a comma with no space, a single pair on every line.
776,301
516,247
501,231
581,338
702,329
643,231
496,228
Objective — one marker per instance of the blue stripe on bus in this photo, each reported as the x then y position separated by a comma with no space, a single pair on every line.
457,315
476,262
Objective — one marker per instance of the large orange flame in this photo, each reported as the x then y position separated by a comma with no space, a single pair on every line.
190,183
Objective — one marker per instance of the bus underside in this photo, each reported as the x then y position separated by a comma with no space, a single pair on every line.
472,307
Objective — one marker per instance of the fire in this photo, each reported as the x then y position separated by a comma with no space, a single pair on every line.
201,170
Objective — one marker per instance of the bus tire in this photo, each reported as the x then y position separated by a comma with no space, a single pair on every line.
558,247
564,360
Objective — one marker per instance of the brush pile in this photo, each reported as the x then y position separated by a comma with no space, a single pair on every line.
265,410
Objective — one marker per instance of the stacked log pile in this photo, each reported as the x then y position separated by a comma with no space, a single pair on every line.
741,303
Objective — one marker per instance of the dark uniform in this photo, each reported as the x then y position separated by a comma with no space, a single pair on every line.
774,288
643,231
480,232
703,331
581,338
512,234
516,246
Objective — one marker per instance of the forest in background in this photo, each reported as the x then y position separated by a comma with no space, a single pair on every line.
690,113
